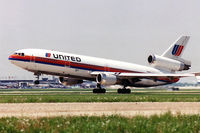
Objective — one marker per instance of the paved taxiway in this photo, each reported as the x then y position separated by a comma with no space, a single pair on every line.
97,109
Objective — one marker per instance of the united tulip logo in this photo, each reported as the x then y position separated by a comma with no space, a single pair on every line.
177,50
48,54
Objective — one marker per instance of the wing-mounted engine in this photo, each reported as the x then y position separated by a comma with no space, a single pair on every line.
165,63
69,81
106,79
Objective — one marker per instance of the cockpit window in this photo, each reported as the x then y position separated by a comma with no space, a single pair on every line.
20,54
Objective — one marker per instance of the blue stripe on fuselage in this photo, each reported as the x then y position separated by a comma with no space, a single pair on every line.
55,64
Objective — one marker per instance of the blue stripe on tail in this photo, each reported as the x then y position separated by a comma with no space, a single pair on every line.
175,49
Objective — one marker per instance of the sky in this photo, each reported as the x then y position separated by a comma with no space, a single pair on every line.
126,30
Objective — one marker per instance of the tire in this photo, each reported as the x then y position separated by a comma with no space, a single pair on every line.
36,82
103,90
119,91
124,91
94,90
175,89
128,91
99,90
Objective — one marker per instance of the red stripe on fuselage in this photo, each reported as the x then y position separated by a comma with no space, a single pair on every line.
68,63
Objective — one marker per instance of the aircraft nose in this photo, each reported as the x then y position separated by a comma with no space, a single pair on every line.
11,57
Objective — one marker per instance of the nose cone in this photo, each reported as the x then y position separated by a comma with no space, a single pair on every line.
11,58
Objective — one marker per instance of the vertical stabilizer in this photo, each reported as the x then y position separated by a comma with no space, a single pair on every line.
175,51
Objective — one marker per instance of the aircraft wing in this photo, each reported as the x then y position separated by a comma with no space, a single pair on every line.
149,75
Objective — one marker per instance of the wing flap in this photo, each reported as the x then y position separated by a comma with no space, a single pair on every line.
150,75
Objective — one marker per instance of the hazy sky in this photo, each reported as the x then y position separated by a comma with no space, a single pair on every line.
127,30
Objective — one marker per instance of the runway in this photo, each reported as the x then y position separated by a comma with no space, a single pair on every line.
127,109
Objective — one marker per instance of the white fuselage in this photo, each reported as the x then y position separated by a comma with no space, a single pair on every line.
78,66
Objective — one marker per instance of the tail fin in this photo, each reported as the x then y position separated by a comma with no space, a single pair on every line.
175,51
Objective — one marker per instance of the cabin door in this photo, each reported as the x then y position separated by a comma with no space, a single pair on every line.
33,64
67,66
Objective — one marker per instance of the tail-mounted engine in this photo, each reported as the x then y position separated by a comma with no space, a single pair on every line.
69,81
168,64
106,79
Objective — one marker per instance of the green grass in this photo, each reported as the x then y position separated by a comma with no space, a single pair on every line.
166,123
73,97
77,95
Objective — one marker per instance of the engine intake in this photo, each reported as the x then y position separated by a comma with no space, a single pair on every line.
106,79
69,81
167,63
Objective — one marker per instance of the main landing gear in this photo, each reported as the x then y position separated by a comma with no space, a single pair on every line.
175,89
99,89
120,91
124,90
37,81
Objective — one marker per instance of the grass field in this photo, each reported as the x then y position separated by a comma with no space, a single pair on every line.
85,95
166,123
106,124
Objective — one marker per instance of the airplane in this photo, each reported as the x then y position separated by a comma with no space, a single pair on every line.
73,69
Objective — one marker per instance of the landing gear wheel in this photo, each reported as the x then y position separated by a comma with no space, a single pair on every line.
175,89
36,82
99,90
124,91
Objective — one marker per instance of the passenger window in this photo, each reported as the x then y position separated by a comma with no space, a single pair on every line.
22,54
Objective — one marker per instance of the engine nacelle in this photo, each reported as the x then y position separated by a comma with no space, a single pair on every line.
69,81
167,63
106,79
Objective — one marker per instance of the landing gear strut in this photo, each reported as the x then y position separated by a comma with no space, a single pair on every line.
99,89
124,90
37,78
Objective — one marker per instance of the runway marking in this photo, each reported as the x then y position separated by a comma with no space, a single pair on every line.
128,109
